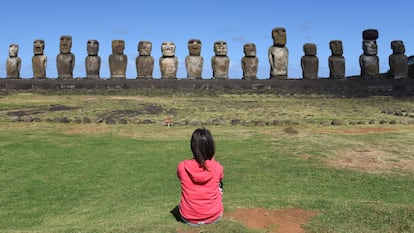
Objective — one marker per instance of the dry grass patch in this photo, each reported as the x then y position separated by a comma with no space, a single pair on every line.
370,160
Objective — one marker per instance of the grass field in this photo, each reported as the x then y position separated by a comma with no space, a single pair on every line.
98,177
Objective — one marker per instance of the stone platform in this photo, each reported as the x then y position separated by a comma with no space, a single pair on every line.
351,87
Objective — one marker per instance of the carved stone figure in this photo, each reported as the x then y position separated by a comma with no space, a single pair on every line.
168,61
398,61
194,61
369,61
39,60
220,62
309,62
144,61
336,61
92,61
249,62
278,54
118,60
14,62
65,60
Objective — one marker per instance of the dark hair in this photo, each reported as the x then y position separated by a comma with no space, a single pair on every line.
202,146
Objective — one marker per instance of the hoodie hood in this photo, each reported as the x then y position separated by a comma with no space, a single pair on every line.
196,173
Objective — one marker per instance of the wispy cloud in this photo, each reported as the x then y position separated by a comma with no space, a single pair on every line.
307,24
240,39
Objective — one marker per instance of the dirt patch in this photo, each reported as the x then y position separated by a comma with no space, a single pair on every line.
370,160
274,221
366,130
86,130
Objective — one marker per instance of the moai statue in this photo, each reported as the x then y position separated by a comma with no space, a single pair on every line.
118,60
220,62
194,61
144,61
249,62
398,60
309,62
39,60
278,54
369,61
65,60
14,62
168,61
336,61
92,61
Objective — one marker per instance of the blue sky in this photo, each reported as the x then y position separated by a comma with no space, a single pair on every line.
237,22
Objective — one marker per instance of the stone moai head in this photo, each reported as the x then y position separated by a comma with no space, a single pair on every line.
370,47
65,44
369,43
118,47
194,47
336,47
168,49
249,50
398,47
13,50
309,49
279,36
144,48
92,46
38,47
220,48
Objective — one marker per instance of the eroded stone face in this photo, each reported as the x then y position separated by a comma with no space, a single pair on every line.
279,36
194,47
38,47
13,50
336,47
370,47
65,44
144,48
168,49
249,50
92,47
118,47
398,47
309,49
220,48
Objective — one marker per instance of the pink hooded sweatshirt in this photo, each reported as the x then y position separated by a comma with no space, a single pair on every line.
201,198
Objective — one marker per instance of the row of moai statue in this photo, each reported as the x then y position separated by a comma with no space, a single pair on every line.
220,62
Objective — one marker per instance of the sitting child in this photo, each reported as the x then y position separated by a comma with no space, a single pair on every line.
201,182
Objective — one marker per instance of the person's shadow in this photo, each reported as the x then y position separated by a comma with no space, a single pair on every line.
176,213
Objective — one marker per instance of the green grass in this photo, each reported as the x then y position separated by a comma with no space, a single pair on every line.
122,178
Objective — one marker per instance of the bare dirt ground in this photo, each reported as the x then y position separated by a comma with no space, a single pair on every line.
273,221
